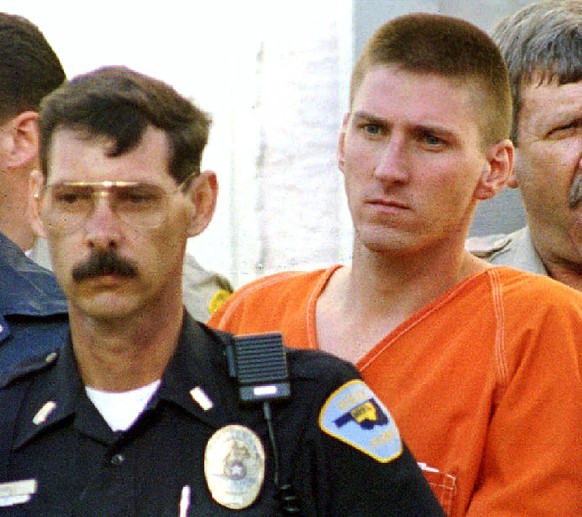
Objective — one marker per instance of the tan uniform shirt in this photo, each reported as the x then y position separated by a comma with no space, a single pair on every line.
514,250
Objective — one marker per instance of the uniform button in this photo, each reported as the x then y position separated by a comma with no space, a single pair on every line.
118,459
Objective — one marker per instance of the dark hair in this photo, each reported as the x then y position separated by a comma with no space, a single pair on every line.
29,68
448,47
541,42
120,104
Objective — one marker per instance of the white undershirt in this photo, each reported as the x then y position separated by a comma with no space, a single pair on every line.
121,409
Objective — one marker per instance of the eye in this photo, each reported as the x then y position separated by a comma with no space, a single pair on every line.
142,197
136,197
372,129
566,130
431,141
68,197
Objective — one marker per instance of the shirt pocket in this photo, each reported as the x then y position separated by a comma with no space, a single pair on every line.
444,486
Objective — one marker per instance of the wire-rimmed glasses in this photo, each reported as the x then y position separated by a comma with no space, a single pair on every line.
65,206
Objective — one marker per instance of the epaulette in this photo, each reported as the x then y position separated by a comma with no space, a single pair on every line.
486,246
28,366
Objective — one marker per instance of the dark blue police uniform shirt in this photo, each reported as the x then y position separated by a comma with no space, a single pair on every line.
33,309
83,468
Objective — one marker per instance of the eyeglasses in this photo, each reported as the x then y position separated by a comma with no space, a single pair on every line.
67,205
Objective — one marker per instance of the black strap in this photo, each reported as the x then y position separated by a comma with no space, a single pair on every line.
10,402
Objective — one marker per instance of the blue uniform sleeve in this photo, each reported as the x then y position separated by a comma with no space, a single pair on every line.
353,459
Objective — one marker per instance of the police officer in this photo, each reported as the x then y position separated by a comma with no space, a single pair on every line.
145,412
33,310
542,46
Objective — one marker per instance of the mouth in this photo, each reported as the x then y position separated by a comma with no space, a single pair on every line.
105,281
387,204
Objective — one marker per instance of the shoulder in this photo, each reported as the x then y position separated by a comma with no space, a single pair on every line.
29,367
537,311
267,293
349,411
204,291
487,245
262,350
534,288
515,250
280,282
27,288
195,274
320,367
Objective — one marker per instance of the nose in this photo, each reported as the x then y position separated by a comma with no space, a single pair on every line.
392,162
102,227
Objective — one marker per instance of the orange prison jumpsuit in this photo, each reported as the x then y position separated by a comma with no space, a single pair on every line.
485,383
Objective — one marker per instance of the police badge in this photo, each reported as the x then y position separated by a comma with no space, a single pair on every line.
234,466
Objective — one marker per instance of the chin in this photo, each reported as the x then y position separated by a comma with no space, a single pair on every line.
107,307
382,239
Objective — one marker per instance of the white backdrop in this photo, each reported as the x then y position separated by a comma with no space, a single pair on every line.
206,50
273,74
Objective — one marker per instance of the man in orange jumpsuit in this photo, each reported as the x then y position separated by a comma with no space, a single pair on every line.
480,365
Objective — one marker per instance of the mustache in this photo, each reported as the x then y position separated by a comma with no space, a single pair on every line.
575,195
101,264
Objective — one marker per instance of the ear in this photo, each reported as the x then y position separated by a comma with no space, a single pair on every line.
203,193
34,199
24,144
341,142
512,181
496,170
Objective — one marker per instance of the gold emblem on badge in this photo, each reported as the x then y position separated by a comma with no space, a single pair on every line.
234,466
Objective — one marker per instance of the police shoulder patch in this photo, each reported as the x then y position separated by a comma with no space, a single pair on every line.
354,415
218,298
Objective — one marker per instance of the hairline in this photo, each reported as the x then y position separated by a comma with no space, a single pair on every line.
470,83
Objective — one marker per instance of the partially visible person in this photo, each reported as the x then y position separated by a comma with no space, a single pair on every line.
542,46
203,291
140,413
32,307
489,359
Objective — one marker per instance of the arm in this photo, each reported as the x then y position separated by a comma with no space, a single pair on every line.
531,461
363,467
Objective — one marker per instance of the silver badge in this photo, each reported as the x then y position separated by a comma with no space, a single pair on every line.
234,466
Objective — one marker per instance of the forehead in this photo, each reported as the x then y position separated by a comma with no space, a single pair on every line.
76,156
545,101
391,92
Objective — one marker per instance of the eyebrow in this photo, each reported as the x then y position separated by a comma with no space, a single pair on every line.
441,131
363,115
561,118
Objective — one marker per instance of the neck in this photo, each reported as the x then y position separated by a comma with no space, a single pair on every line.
126,354
14,214
560,253
566,273
365,302
406,283
20,236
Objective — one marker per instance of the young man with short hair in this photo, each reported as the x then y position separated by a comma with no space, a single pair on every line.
489,359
